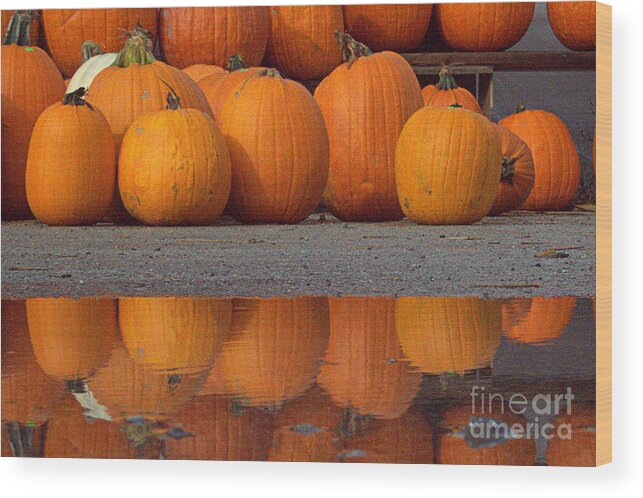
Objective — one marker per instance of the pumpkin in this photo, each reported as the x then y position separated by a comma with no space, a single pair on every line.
448,334
31,82
517,177
210,35
545,321
199,71
483,27
34,30
573,23
72,338
308,429
555,158
399,28
221,431
71,165
67,29
273,351
94,61
455,447
365,103
174,167
176,335
447,93
363,366
575,446
447,166
279,149
407,439
302,44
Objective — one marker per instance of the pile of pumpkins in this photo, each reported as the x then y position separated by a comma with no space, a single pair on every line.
178,142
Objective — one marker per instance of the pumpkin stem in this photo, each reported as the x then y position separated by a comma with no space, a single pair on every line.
351,48
26,441
18,28
236,62
138,48
77,97
270,73
446,81
90,49
455,106
521,107
508,170
172,99
353,422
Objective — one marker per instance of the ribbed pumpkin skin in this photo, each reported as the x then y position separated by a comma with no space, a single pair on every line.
72,338
580,449
176,335
573,23
454,450
174,169
67,29
545,321
34,31
210,35
483,27
555,159
71,166
279,150
448,334
220,433
217,88
395,27
31,82
302,40
434,97
365,107
516,187
199,71
447,166
357,371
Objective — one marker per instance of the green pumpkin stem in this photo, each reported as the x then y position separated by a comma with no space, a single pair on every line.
508,170
521,107
90,49
77,97
351,48
138,48
446,81
18,28
270,73
236,62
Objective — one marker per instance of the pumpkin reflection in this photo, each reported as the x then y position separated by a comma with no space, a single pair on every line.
545,321
363,365
577,447
448,334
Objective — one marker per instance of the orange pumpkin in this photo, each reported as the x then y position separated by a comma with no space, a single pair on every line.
483,27
35,35
574,441
448,164
71,166
210,35
447,93
363,366
545,321
174,167
302,44
555,158
365,103
176,335
454,448
279,149
31,82
448,334
67,29
199,71
573,23
399,28
517,177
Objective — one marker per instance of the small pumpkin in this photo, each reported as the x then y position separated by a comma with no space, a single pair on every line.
447,166
447,92
71,166
278,147
199,71
575,445
556,166
174,167
365,102
94,61
573,23
517,177
546,320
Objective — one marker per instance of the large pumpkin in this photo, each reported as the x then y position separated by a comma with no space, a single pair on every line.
35,35
31,82
555,158
174,335
279,149
545,321
363,366
448,334
210,35
174,167
483,27
302,41
67,29
399,28
94,61
447,92
365,102
573,23
517,177
71,166
447,166
574,441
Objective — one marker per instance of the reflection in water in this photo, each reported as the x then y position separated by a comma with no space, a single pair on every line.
347,379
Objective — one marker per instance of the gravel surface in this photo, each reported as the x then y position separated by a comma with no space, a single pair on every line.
496,257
